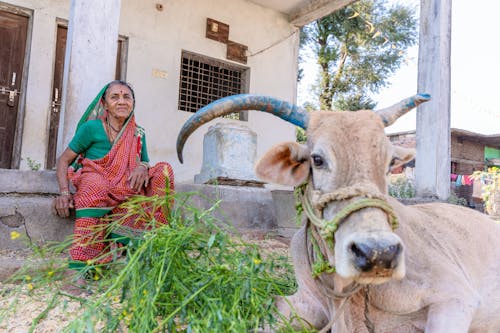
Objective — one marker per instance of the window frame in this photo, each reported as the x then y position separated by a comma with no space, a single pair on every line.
184,93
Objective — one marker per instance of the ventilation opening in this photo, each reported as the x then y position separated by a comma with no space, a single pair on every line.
204,80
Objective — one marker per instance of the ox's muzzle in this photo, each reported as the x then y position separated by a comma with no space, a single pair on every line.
371,257
365,248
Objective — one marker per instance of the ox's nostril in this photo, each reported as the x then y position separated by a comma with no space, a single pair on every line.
388,256
363,254
366,256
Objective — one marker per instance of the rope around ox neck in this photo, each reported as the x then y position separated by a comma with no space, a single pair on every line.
328,228
369,198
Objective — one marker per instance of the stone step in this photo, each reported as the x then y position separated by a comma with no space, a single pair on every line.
26,207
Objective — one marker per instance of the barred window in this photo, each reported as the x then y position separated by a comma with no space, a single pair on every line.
204,80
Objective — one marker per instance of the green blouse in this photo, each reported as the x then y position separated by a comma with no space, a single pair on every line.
91,140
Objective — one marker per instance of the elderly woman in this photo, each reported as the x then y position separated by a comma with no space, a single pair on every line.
107,162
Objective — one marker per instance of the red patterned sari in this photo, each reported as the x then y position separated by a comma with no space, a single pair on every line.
101,186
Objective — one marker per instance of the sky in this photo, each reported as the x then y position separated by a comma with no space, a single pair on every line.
475,72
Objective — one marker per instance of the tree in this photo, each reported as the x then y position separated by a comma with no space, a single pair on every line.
358,48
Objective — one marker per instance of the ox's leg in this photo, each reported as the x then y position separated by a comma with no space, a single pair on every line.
302,311
308,306
448,317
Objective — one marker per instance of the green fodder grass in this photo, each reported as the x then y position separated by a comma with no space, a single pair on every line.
191,275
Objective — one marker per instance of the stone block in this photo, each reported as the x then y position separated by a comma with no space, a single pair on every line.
32,217
241,207
286,214
27,181
229,152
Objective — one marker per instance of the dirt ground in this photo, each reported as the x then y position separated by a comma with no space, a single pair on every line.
20,310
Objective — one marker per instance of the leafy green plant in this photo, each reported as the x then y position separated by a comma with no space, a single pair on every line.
192,275
357,49
33,164
401,188
491,188
456,200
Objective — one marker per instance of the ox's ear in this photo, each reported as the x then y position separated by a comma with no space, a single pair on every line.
286,164
401,156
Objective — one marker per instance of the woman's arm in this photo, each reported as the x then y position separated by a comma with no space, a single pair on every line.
64,201
139,177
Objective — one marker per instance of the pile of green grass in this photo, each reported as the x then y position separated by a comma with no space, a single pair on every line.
191,275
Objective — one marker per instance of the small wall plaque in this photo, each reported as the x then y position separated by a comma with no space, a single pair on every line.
236,52
217,30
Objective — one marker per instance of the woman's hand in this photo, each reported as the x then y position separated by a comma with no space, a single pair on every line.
63,204
139,177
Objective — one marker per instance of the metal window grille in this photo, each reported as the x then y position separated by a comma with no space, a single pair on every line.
204,80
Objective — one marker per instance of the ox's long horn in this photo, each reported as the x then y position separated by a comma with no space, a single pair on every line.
392,113
235,103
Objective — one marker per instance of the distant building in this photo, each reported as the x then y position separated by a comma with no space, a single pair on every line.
469,152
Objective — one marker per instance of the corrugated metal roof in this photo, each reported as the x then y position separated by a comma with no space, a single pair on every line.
488,140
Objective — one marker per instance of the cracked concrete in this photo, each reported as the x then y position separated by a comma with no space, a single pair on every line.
32,217
12,221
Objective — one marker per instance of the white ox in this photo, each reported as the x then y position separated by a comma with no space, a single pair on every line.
363,261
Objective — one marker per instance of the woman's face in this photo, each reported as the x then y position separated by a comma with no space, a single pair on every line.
119,101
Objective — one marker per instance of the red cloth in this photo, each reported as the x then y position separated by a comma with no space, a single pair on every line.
104,183
468,180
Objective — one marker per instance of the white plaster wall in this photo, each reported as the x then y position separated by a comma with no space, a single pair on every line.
155,42
156,39
39,75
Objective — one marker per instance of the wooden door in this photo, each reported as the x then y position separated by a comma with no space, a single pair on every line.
13,34
55,108
62,32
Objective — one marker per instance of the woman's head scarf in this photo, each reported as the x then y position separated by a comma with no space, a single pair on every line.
96,110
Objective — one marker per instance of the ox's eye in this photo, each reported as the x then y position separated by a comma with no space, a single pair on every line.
317,160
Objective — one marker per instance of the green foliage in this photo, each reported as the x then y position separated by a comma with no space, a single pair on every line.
301,133
491,188
456,200
358,48
191,275
401,188
33,165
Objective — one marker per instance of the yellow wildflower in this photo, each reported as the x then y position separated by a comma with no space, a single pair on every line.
14,235
96,277
27,278
256,261
30,286
50,273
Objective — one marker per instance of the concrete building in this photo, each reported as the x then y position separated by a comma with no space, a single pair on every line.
179,55
57,54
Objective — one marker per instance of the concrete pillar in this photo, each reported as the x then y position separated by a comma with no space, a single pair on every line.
90,60
433,118
229,151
